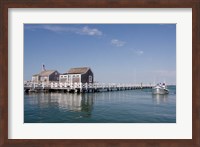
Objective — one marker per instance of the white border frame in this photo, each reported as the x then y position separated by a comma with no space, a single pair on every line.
182,129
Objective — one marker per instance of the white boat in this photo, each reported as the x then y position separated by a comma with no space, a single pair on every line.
160,89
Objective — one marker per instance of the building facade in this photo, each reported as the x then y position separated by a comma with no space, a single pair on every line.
46,76
77,75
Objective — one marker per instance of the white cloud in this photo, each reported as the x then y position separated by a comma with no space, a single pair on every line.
61,29
139,52
90,31
117,42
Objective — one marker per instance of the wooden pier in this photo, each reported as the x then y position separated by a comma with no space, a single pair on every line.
81,87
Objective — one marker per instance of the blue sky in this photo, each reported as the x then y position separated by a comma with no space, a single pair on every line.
117,53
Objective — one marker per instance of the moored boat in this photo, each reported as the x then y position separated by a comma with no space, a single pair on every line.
160,89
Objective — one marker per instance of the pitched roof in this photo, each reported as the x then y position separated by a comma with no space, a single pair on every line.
78,70
46,72
36,75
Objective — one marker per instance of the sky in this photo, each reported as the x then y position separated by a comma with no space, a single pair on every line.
116,53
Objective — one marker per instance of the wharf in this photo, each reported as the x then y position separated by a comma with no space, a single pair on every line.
81,87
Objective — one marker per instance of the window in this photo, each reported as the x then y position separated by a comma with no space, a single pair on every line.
90,78
43,79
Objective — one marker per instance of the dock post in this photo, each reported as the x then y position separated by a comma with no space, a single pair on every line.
34,85
86,86
80,87
43,85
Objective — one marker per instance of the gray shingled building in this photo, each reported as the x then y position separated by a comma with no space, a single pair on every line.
46,76
77,75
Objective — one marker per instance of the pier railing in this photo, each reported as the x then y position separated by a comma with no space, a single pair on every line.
83,86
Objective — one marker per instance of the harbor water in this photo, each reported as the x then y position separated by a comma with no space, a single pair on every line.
129,106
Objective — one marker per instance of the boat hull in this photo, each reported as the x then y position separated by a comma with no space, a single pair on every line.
160,91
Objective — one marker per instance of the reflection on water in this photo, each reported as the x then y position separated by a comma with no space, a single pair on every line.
160,98
73,102
134,106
